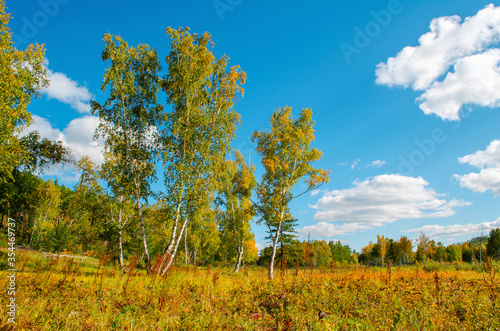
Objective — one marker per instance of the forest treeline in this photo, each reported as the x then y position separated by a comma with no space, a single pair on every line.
385,251
169,121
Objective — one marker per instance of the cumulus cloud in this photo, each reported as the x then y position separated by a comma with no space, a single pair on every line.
65,90
465,46
486,179
77,136
488,157
475,81
384,199
457,229
489,176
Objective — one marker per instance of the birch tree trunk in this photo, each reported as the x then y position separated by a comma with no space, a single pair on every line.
176,246
143,230
185,248
275,244
271,263
241,248
120,249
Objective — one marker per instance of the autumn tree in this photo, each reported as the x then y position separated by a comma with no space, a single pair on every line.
453,253
287,157
425,247
237,186
22,77
382,247
405,249
440,252
117,201
198,130
129,118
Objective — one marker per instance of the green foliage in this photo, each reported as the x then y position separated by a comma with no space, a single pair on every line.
59,238
199,129
454,253
340,253
130,115
22,77
287,157
129,120
42,152
493,244
237,183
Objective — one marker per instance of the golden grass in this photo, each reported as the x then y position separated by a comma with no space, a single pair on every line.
64,295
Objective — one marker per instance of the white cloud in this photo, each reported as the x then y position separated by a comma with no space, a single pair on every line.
352,165
488,157
65,90
447,41
489,176
325,229
475,81
457,229
314,193
77,136
486,179
384,199
450,42
375,164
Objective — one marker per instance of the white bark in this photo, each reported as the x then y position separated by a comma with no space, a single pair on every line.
143,230
120,249
185,248
176,246
241,248
275,244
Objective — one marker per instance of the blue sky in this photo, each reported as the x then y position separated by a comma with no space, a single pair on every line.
405,96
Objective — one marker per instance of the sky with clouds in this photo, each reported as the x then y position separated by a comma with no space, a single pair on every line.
405,95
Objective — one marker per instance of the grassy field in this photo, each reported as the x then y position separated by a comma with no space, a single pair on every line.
76,294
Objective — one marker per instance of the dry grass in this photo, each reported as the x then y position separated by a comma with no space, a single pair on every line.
64,295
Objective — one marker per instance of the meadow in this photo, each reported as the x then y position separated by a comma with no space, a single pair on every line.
89,294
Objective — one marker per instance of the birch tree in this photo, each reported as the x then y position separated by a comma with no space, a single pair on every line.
287,156
382,247
129,118
235,197
118,202
202,123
